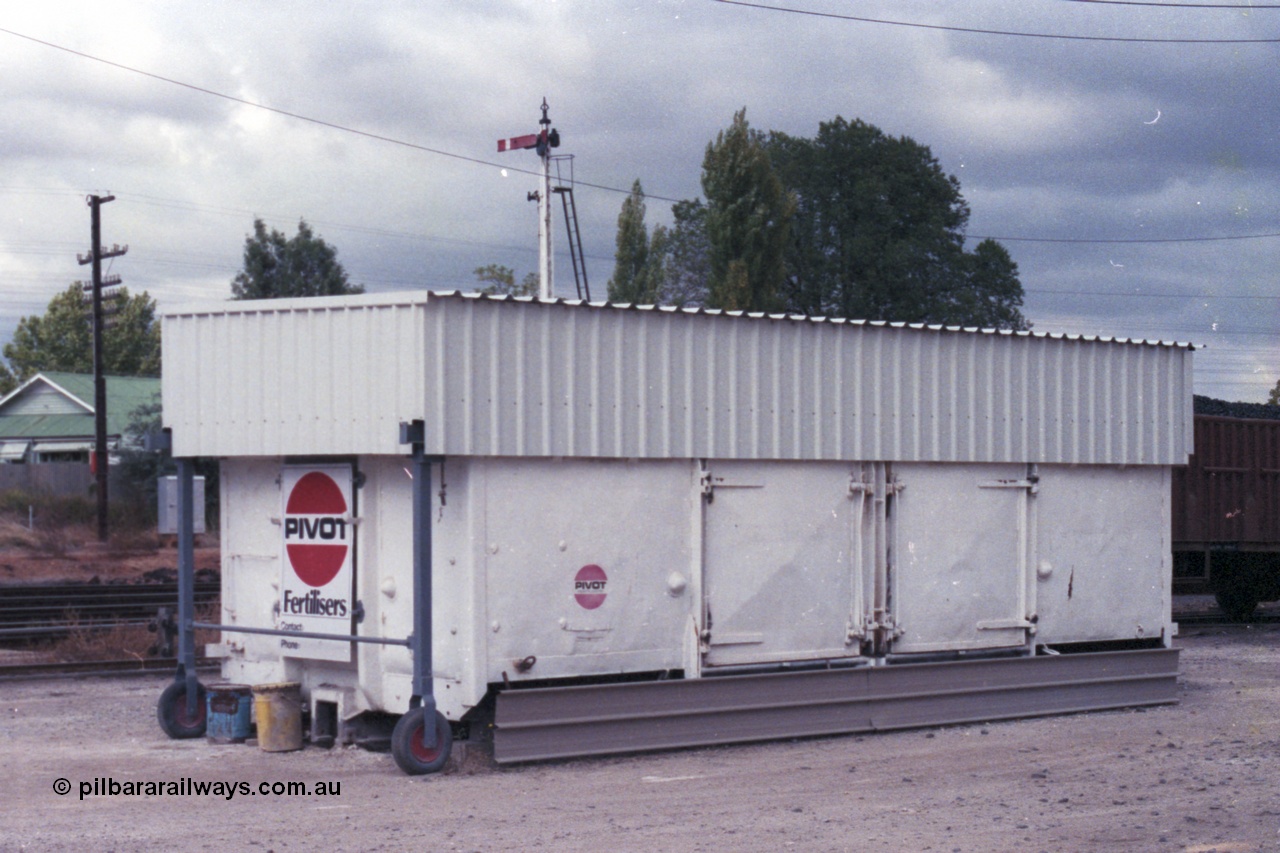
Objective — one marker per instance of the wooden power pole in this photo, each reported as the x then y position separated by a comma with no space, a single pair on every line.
95,256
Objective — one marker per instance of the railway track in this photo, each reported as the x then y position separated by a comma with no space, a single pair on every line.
44,611
1215,617
115,668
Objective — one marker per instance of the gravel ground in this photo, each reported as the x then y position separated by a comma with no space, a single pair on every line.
1198,776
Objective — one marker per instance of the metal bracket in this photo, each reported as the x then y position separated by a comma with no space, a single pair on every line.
1004,624
859,486
414,432
1032,486
1031,482
710,483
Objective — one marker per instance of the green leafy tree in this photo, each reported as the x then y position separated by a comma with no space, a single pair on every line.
277,267
989,293
497,280
1273,399
748,221
686,256
135,474
62,338
878,233
638,261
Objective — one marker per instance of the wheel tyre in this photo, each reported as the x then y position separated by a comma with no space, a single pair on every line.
407,748
1236,603
171,711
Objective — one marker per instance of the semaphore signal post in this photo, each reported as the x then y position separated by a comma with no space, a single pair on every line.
542,141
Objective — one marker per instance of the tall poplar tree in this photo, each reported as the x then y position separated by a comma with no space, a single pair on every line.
748,221
631,257
637,269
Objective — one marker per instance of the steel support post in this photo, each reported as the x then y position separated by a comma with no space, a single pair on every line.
187,582
423,681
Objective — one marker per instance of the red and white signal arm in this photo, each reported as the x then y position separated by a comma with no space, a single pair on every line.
316,566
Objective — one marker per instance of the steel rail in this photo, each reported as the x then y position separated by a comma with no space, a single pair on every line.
543,723
100,668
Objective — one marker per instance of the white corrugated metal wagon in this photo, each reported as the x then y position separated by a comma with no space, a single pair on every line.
607,529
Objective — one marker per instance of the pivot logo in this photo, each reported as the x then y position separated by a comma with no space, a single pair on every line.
315,529
589,586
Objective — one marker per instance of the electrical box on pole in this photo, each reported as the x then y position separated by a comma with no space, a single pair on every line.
96,253
542,142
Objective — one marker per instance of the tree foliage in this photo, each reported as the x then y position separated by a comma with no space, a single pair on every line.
686,263
62,338
878,233
497,280
748,220
277,267
638,261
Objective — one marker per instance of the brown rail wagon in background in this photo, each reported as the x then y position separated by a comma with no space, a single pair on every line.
1226,507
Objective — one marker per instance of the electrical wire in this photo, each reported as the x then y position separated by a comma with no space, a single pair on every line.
1145,295
986,32
1239,7
1134,240
478,161
311,120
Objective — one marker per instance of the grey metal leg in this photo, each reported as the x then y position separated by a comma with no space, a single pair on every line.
423,683
187,583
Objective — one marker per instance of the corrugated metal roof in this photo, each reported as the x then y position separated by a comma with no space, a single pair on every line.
125,395
526,377
45,426
805,318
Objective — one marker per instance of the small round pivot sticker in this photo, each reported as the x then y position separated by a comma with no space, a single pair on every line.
589,586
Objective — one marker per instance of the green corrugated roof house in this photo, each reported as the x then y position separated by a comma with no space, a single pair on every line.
49,418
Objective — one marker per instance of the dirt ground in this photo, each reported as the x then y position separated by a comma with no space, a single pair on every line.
74,555
1197,776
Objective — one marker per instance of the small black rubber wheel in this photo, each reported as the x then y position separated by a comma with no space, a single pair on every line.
171,711
1238,602
406,744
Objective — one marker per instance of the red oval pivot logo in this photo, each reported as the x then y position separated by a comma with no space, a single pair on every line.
315,529
589,586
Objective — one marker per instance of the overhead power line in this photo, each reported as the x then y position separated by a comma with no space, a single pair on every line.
1124,240
316,121
482,162
1240,7
986,32
1144,295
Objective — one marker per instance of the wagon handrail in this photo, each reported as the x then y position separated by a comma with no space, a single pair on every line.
307,635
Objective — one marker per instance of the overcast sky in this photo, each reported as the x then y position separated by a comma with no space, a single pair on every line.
1085,145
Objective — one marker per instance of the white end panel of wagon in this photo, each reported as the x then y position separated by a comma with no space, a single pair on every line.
959,576
387,585
783,577
1103,565
250,567
588,565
